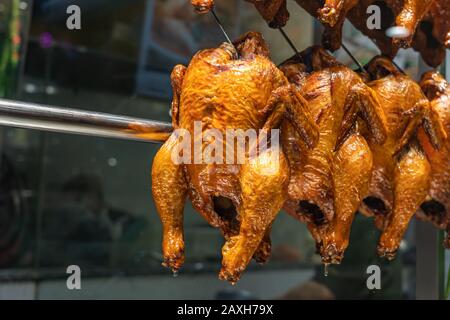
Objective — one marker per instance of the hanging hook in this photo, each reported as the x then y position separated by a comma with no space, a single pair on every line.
216,18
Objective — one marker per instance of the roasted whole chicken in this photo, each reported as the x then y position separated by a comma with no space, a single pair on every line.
436,208
328,182
227,88
401,175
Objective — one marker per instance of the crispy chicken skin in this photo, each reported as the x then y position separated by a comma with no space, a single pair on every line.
401,176
227,92
328,182
437,206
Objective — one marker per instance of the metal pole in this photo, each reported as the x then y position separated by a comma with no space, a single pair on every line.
427,261
49,118
428,251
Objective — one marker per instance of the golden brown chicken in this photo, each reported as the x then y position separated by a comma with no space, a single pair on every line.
328,182
437,206
241,198
401,176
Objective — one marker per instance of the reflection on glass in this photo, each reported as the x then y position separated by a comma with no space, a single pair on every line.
87,201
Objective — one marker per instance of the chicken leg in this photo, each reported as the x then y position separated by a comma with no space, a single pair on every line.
411,184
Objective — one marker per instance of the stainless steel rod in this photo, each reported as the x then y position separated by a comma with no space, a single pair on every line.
56,119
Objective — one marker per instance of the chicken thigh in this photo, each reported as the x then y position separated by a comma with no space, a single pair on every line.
328,182
401,176
241,196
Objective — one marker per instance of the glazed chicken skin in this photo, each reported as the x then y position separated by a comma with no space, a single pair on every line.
437,206
328,182
242,199
401,175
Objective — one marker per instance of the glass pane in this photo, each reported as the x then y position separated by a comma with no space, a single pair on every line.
86,201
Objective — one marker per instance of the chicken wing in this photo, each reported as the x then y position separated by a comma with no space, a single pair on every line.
242,198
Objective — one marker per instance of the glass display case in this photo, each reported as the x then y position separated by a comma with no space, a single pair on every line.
86,201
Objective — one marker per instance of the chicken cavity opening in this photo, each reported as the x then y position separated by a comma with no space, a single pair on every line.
427,28
312,211
376,205
434,209
225,208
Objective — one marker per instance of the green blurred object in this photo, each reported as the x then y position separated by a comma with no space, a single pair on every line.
447,291
9,48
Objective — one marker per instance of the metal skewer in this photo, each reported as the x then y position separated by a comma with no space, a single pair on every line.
49,118
363,69
289,41
397,66
221,27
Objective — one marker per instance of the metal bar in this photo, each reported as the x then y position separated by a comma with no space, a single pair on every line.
428,250
49,118
427,261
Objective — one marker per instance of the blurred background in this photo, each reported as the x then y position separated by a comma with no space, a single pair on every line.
76,200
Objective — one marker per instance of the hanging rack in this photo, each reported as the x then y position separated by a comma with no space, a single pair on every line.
49,118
